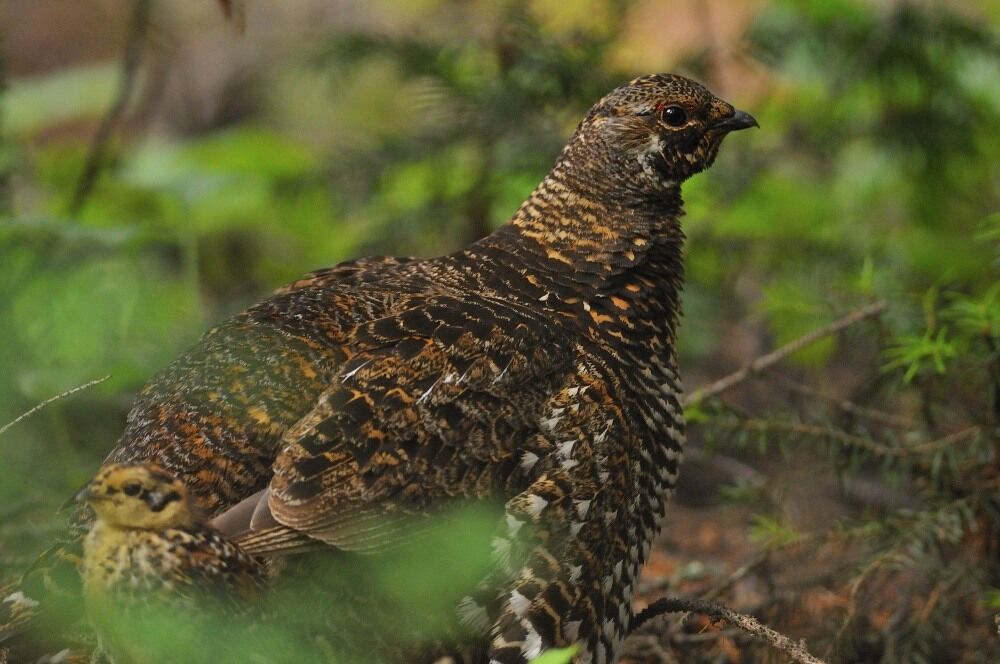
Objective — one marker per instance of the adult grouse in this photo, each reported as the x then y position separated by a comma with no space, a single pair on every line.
537,364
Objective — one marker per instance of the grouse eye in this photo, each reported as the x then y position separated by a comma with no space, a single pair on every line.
132,489
674,116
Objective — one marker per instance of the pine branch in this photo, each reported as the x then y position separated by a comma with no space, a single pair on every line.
766,361
795,650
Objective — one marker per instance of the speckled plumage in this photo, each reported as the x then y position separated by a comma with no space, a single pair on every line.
150,561
536,366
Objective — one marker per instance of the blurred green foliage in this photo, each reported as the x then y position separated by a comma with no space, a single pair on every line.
362,609
557,656
875,175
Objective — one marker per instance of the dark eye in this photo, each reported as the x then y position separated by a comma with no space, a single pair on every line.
132,489
674,116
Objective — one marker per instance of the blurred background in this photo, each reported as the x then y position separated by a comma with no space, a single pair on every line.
165,164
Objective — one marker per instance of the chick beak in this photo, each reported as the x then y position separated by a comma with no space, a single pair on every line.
84,495
738,120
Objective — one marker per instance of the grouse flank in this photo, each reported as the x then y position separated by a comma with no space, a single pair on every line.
148,558
537,365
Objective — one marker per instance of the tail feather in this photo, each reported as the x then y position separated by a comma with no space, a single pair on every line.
277,540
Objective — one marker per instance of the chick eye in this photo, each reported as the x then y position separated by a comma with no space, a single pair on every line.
132,489
674,116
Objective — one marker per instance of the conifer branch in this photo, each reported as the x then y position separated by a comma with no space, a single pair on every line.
797,651
764,362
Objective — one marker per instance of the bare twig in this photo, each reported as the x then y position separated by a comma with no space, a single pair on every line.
765,361
61,395
131,60
795,650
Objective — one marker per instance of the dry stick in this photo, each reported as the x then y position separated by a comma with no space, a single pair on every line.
761,557
796,650
772,358
129,69
61,395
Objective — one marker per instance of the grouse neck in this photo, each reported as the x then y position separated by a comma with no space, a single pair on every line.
590,229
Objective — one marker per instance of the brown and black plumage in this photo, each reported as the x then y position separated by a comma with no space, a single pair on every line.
151,563
536,366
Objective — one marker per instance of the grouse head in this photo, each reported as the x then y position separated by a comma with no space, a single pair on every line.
142,496
656,131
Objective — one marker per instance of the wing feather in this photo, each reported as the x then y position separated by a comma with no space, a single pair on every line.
434,404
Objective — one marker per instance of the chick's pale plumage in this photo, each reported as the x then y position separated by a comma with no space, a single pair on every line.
149,563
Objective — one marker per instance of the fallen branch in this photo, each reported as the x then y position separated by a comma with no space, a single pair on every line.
766,361
61,395
795,650
131,60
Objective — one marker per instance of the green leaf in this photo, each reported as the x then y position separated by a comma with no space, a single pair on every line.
919,354
557,656
428,575
32,104
976,316
250,150
770,532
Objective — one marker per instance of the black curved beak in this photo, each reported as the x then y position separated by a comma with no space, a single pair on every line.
736,121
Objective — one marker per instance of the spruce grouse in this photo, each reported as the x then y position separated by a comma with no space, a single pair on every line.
150,565
537,365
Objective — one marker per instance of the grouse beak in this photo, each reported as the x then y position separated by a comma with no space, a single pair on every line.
738,120
84,495
74,499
